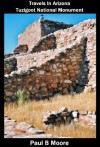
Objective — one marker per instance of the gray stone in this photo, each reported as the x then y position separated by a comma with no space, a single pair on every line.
63,109
76,119
59,119
83,112
74,114
9,128
41,72
68,120
67,81
8,100
23,125
9,121
65,114
57,95
35,131
9,93
94,113
89,112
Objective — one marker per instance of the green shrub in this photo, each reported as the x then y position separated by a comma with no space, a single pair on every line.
22,96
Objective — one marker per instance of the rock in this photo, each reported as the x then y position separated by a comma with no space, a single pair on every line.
76,119
23,125
59,119
67,81
65,114
8,99
10,134
94,86
65,91
21,49
9,128
9,121
36,136
10,65
53,113
68,120
70,67
9,93
74,114
57,95
63,109
83,112
54,85
89,112
94,113
41,72
92,116
28,132
18,131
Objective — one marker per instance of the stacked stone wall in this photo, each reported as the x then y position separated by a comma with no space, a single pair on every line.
10,64
66,65
34,32
57,75
31,35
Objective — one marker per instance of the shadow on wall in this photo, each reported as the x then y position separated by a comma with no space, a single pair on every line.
45,43
82,78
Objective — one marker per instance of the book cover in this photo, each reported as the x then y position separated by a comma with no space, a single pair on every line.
50,96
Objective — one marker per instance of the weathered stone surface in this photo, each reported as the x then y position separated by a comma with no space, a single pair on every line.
23,130
75,114
40,28
83,112
10,64
63,109
21,49
66,117
23,125
67,81
69,63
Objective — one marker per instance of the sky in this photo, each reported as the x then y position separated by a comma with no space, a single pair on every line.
15,24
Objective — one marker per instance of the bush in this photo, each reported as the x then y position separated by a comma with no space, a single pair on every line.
22,96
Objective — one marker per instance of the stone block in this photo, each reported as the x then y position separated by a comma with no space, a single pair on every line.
21,49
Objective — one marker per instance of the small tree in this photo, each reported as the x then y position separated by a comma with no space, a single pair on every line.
22,96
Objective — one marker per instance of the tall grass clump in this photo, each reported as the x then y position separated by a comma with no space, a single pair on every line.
23,96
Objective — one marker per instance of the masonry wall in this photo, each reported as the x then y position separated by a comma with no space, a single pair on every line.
10,65
48,27
88,30
31,35
69,66
58,75
68,36
47,42
34,32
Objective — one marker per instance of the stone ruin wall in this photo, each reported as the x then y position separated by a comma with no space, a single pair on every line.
55,76
70,66
48,27
31,35
10,64
34,32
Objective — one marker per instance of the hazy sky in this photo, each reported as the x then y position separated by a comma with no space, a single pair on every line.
14,24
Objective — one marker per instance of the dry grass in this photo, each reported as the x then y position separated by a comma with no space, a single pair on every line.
32,113
75,131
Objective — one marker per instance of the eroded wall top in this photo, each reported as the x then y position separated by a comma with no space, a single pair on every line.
38,29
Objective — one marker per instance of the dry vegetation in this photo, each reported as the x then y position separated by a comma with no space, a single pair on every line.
32,113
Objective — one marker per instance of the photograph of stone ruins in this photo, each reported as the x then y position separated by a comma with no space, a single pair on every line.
50,81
